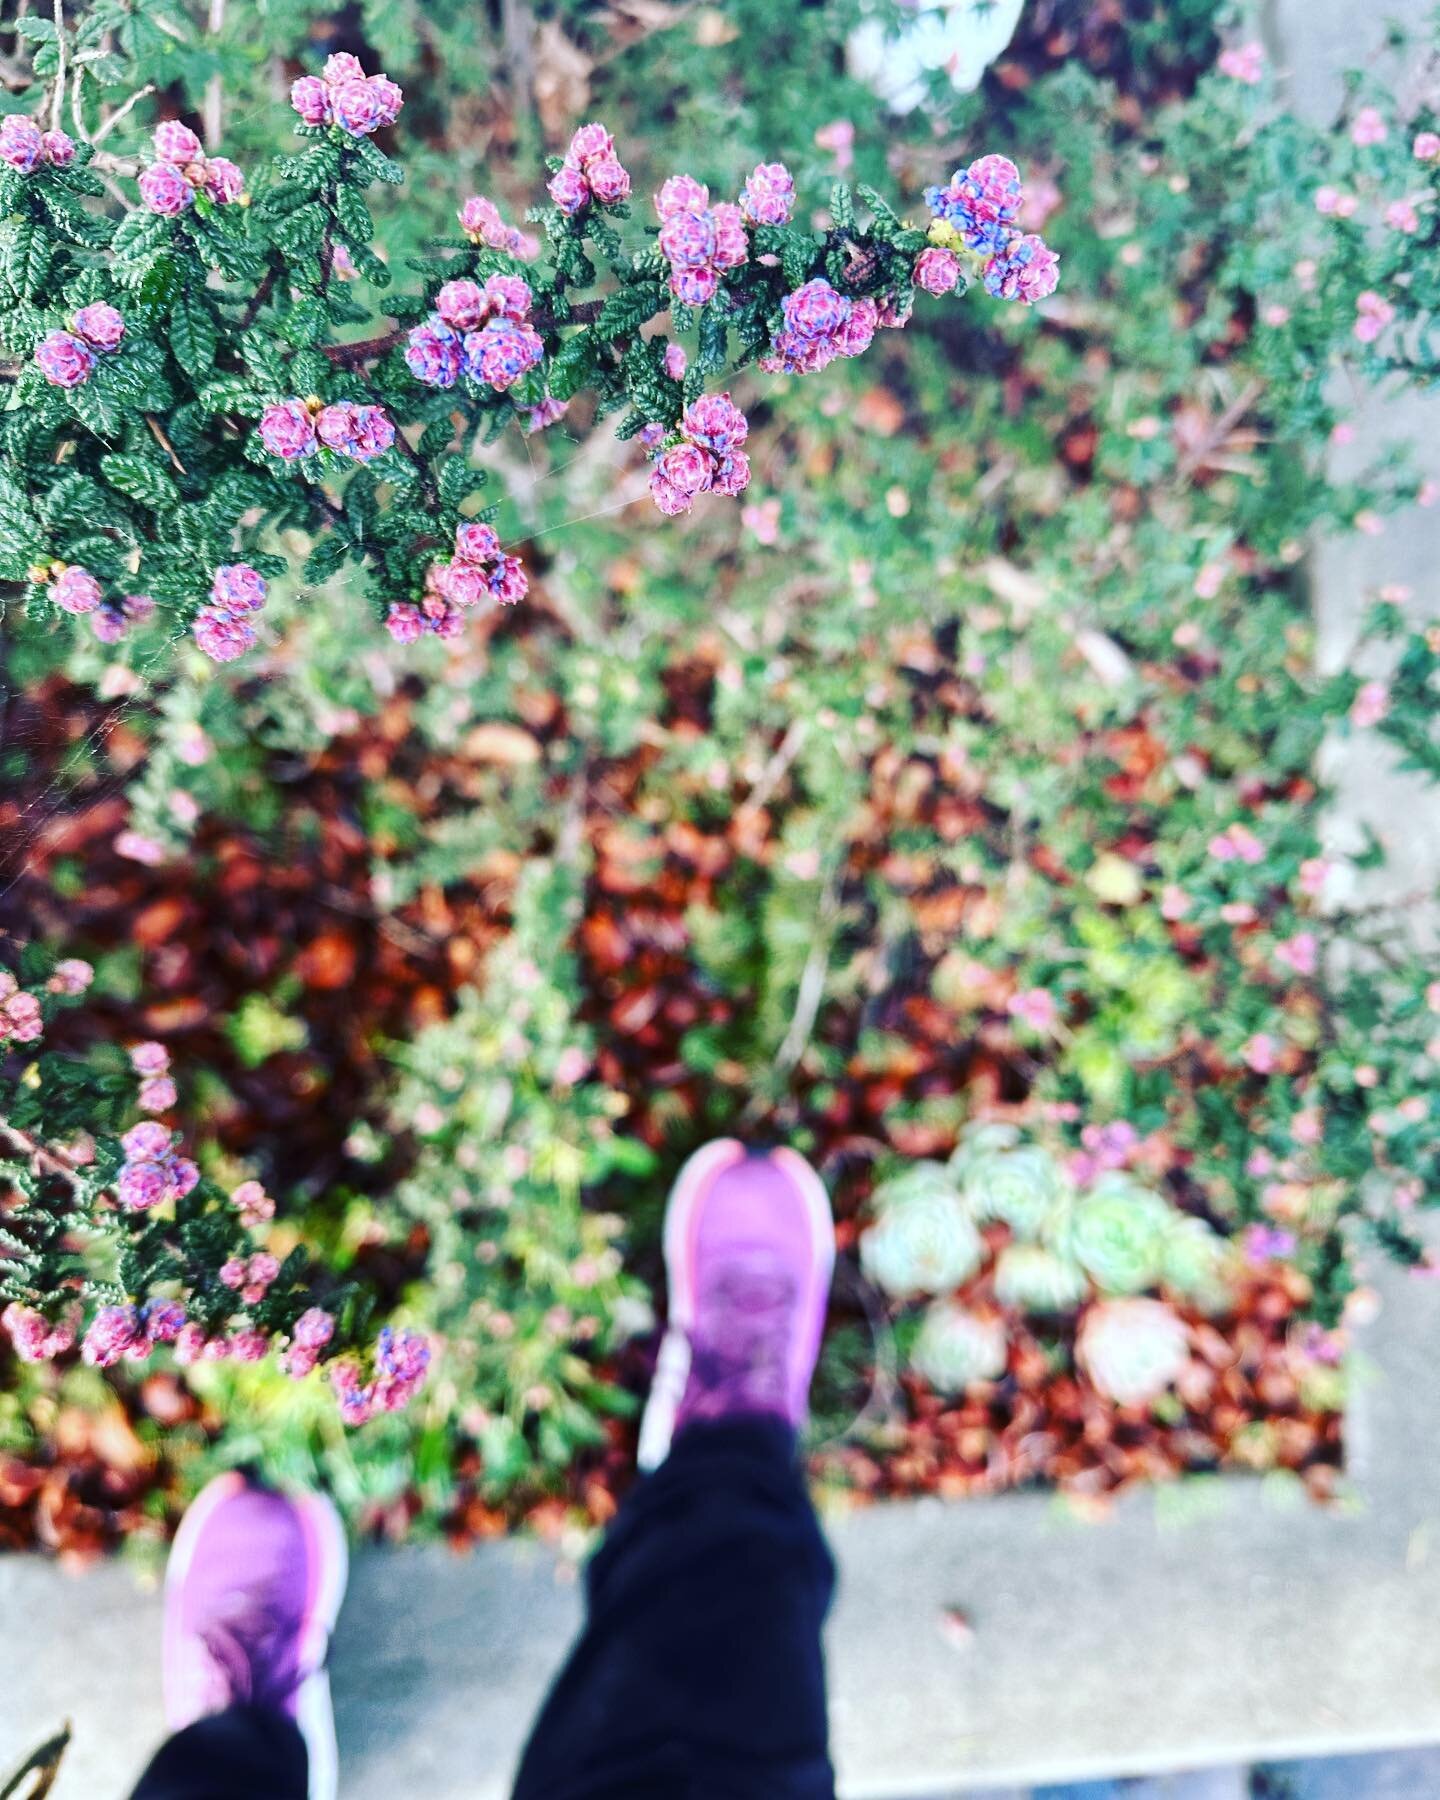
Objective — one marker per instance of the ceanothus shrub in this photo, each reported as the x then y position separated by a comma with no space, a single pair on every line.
192,381
197,375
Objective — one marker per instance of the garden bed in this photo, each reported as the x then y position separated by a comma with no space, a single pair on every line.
975,783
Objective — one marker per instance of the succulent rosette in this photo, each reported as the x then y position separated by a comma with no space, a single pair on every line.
1036,1280
1132,1350
1117,1234
980,1139
1194,1262
923,1241
956,1347
1021,1187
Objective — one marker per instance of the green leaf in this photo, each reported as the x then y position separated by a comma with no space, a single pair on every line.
27,258
710,353
571,366
456,480
376,164
877,204
327,558
305,323
97,408
627,310
142,479
354,215
231,393
139,234
192,333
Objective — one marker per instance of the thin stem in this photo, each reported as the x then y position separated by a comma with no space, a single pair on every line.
259,297
213,115
351,356
57,99
363,350
108,124
160,438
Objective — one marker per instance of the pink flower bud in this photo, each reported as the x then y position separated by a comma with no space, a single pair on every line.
569,190
70,976
588,143
21,142
176,143
101,326
461,304
508,297
687,468
287,430
238,588
682,193
476,542
358,108
314,1329
310,97
937,270
63,359
157,1095
404,623
76,591
609,181
224,181
57,149
165,190
221,635
768,196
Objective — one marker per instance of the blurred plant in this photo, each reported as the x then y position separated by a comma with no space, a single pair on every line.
1033,1279
955,1347
980,771
1117,1232
1132,1350
923,1241
1021,1185
526,1288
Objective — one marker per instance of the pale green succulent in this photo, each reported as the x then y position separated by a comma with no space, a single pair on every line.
955,1347
1132,1350
1021,1187
923,1241
1193,1261
1117,1234
916,1181
1038,1280
980,1140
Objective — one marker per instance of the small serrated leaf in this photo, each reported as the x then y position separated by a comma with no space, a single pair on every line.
27,258
192,333
142,479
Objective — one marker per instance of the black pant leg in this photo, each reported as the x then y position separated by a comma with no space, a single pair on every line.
244,1753
699,1672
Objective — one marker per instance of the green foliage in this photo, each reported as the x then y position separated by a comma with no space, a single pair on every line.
1032,635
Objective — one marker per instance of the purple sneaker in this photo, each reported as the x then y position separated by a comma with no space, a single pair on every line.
749,1251
252,1593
